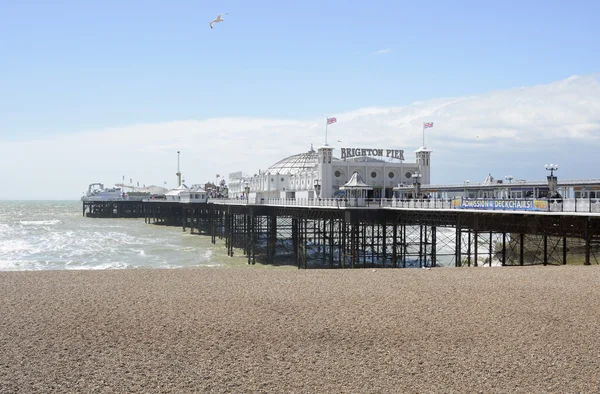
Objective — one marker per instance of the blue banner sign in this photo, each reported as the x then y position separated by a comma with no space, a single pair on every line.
508,205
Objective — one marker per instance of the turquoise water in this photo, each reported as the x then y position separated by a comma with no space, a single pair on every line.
53,235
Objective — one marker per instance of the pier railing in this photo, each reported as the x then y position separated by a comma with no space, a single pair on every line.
540,205
300,202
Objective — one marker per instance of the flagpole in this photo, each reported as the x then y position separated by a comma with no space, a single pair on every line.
423,134
326,124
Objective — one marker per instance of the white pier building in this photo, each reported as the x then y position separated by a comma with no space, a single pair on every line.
321,174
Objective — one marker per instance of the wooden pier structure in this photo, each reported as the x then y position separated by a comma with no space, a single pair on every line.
382,235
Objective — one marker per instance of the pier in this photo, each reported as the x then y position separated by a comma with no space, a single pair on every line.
386,233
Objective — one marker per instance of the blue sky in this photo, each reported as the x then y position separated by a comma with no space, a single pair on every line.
71,65
68,67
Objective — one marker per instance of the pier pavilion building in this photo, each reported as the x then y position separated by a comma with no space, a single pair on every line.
322,174
492,188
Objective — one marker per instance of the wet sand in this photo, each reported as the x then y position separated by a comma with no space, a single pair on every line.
533,329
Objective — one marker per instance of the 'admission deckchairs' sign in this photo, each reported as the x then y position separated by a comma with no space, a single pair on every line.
509,205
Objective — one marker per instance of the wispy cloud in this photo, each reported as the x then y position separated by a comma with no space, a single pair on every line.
382,51
513,131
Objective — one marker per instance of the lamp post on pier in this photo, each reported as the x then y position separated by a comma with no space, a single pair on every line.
552,180
317,188
417,177
509,178
247,191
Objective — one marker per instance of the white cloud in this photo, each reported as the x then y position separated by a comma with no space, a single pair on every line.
382,51
513,131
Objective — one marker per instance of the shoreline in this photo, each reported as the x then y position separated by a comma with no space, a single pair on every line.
517,329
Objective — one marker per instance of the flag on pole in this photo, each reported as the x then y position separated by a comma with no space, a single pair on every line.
218,175
428,125
331,120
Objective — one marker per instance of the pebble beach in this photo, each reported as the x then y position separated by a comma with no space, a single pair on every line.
500,329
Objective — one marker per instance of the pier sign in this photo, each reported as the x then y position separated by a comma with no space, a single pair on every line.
355,152
508,205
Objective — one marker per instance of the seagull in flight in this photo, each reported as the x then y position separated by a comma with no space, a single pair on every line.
219,19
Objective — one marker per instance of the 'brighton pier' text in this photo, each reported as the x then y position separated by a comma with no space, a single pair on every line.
354,152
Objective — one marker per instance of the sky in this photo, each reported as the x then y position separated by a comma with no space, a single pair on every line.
100,90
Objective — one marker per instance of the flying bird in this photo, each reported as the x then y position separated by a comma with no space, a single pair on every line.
219,19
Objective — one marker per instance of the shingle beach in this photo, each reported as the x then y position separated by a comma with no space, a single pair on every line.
532,329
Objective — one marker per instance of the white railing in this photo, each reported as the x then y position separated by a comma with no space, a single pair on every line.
418,204
230,201
591,205
539,205
316,202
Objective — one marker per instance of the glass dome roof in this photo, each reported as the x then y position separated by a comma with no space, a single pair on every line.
295,164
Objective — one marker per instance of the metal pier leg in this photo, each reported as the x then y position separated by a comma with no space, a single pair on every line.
373,254
458,245
253,239
587,240
521,252
394,245
384,244
295,239
490,257
331,233
503,249
545,238
245,236
404,246
305,244
433,246
564,250
468,247
363,243
354,242
272,238
420,245
475,239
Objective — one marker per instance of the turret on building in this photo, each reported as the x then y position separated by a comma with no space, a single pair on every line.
423,161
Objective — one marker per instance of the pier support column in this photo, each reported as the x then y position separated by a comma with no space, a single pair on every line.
458,245
545,239
394,245
522,249
468,247
587,240
433,246
475,246
272,238
503,249
490,250
421,243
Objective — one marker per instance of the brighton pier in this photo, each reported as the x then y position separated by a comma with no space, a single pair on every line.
313,210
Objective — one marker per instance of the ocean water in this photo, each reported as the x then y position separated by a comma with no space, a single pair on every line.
53,235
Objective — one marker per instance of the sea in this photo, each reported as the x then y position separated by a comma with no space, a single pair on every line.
54,235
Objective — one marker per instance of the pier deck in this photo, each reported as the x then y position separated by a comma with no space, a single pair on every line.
383,233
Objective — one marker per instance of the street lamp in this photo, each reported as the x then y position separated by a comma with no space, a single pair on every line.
552,168
417,176
507,192
552,182
247,191
317,188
